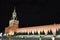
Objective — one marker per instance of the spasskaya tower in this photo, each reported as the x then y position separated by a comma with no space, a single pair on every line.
13,24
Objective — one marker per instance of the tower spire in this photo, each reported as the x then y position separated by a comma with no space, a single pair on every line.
14,14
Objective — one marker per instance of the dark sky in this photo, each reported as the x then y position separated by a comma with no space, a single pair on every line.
30,12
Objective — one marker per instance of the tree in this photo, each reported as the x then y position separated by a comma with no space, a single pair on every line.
35,33
30,33
50,32
58,32
26,33
42,33
14,34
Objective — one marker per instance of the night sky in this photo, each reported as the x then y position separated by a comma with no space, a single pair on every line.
30,12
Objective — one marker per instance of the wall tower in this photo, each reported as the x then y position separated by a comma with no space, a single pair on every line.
13,24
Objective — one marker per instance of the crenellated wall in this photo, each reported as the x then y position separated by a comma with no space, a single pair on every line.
44,28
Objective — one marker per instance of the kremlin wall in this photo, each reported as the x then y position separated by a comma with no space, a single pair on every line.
14,27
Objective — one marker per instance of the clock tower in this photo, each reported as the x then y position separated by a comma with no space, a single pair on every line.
13,24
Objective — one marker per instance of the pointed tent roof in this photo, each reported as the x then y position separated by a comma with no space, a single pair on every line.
14,14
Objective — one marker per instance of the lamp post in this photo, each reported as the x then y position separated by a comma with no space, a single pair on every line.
9,37
40,38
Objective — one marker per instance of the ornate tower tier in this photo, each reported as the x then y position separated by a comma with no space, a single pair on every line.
14,22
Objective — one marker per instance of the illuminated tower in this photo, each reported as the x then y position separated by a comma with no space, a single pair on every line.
13,24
